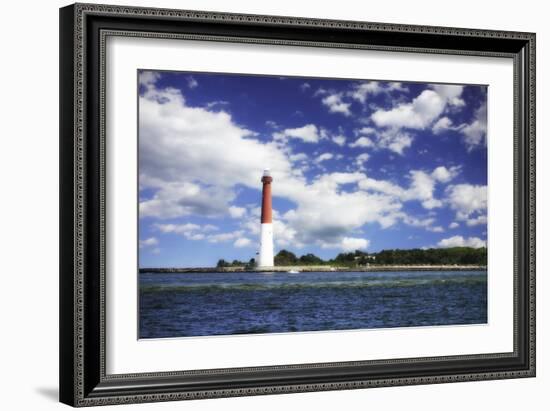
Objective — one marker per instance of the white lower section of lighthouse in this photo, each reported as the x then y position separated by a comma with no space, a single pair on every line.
265,259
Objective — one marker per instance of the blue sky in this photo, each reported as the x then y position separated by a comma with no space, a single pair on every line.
357,164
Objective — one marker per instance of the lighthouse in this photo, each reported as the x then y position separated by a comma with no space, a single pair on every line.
266,231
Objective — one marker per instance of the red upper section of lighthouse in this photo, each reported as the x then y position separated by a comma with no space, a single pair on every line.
267,212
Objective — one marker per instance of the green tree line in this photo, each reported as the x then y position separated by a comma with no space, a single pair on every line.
236,263
357,258
416,256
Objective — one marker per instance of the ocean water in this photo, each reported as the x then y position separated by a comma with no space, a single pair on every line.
201,304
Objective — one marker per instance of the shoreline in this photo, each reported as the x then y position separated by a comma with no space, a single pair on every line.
299,269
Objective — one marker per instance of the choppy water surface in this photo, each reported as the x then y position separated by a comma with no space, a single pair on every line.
180,305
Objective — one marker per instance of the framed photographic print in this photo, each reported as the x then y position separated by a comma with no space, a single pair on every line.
260,204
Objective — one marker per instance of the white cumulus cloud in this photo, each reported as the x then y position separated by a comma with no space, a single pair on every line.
444,174
469,201
148,78
175,199
362,142
348,244
340,140
475,133
149,242
479,220
418,114
395,140
324,157
335,104
421,187
237,212
225,237
190,231
298,157
242,242
362,90
444,123
192,82
451,93
459,241
308,133
361,159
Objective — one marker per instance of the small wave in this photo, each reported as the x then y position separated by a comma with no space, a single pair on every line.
243,287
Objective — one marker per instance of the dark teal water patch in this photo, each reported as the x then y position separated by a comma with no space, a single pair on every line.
178,305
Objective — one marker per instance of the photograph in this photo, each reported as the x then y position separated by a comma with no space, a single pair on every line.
258,201
283,204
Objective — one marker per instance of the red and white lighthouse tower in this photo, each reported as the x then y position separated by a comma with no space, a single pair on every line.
266,232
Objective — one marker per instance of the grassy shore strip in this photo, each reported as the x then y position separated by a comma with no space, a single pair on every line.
319,268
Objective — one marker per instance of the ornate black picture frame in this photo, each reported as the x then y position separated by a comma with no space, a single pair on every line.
83,31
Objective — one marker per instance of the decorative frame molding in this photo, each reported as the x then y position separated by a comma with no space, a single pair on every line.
84,29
